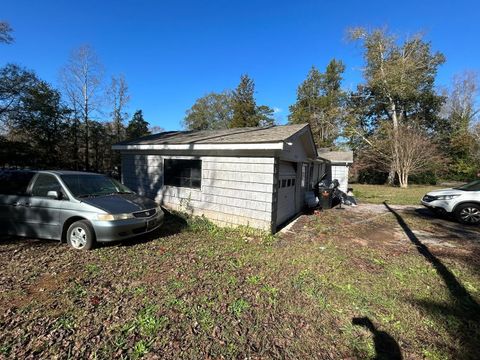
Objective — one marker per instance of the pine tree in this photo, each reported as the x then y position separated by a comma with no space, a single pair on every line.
137,126
320,102
243,104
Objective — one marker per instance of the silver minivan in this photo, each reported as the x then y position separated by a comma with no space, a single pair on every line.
77,207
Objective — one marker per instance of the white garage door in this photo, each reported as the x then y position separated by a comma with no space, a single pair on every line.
286,192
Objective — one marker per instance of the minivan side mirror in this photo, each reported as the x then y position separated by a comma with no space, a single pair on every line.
56,195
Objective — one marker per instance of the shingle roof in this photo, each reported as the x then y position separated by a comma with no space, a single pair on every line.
336,156
271,134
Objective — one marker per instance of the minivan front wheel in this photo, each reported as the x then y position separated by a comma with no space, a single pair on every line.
80,235
468,213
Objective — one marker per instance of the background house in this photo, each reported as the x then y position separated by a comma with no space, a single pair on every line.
337,164
243,176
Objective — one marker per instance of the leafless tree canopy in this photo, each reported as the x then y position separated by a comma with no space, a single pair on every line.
413,153
460,104
5,33
118,98
82,80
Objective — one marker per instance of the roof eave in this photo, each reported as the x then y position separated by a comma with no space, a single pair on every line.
340,162
195,147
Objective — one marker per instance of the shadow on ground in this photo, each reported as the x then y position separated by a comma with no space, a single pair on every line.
385,345
463,307
24,242
173,224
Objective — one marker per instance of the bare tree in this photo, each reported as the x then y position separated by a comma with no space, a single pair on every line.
82,80
460,107
413,152
5,33
158,129
118,98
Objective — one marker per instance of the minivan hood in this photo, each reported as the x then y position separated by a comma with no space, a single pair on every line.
445,192
121,203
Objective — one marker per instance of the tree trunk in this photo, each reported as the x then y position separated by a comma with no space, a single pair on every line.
87,147
403,179
87,140
76,128
391,174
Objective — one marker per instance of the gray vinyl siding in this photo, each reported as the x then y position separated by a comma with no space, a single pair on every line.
340,172
234,190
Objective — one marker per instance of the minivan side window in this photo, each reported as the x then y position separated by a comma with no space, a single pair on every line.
15,183
45,183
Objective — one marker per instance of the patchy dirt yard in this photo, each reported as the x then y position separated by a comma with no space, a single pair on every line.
365,282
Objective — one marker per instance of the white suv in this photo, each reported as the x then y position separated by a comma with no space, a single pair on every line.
463,202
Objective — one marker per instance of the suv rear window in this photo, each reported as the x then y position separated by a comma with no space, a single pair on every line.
15,182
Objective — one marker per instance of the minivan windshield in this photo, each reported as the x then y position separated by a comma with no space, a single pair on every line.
473,186
93,185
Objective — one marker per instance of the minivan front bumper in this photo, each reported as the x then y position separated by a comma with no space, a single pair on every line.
107,231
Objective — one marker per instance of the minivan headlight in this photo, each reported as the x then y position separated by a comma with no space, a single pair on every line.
113,217
447,197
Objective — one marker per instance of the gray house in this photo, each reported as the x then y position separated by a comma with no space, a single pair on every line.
337,165
247,176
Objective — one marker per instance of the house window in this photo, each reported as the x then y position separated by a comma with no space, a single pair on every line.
183,173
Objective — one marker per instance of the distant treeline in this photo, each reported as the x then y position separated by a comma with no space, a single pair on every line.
72,127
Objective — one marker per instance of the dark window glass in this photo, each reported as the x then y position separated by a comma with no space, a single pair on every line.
15,183
473,186
284,183
45,183
183,173
85,185
289,182
293,182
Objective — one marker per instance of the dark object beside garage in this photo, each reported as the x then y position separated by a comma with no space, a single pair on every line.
325,197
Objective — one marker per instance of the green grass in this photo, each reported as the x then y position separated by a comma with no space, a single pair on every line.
377,194
208,293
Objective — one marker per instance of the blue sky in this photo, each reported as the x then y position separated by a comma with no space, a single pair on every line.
173,52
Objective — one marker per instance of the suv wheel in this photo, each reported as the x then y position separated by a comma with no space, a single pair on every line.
80,235
468,213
